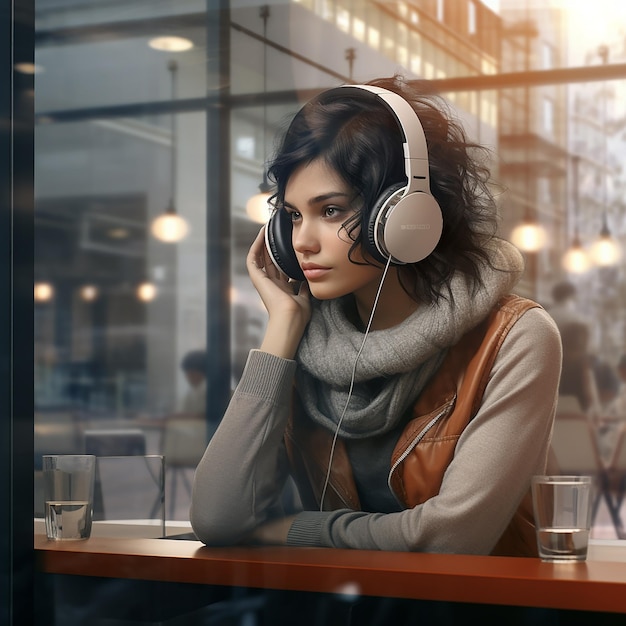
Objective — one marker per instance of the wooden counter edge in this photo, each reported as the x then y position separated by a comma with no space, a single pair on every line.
592,585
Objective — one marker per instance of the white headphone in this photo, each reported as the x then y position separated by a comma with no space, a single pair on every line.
405,222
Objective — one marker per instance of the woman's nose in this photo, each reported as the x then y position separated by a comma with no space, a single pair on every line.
305,238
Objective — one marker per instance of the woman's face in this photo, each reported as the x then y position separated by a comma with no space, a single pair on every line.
319,202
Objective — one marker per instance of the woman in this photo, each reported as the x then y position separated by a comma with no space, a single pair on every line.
411,401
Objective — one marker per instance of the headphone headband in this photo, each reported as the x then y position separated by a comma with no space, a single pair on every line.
414,141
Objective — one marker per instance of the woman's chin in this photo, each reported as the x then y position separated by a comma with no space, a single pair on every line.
320,292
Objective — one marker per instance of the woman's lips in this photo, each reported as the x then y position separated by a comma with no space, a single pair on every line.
314,272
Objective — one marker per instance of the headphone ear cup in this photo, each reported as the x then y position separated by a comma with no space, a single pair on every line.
279,247
370,242
405,228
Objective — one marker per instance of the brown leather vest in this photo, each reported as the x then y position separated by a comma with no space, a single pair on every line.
426,446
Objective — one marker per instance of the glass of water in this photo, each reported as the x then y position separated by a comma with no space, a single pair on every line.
562,509
68,493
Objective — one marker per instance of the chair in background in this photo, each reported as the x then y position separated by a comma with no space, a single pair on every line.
58,432
573,439
63,434
576,450
616,473
124,479
131,488
184,442
568,404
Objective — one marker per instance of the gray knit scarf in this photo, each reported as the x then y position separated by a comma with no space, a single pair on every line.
395,363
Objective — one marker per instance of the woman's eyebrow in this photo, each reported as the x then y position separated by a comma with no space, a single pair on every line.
321,198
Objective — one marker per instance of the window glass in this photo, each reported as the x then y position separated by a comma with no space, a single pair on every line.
126,133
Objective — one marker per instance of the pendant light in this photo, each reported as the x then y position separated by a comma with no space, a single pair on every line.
170,227
605,251
576,260
257,207
43,291
529,236
147,291
89,293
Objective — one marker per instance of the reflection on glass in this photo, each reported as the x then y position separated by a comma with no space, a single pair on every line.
28,68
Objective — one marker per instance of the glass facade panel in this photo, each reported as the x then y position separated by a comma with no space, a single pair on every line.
168,108
125,133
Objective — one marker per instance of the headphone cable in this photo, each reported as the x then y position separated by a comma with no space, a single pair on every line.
356,360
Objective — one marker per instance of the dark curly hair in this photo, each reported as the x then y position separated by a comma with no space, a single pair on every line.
360,139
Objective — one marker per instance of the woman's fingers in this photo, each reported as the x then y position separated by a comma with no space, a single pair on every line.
256,253
259,259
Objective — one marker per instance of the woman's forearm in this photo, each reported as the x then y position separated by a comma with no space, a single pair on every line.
238,482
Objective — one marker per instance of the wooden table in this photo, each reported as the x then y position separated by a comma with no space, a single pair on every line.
591,585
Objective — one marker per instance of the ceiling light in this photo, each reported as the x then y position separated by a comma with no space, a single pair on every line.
171,44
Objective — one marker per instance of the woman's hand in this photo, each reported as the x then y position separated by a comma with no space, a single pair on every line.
287,302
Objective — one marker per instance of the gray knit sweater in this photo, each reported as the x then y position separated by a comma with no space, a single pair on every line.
239,481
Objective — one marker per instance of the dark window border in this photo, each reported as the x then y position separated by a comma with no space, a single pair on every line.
16,317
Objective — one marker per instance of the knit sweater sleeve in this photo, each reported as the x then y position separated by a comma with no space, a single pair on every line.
238,482
505,444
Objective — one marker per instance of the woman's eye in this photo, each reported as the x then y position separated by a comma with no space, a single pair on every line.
294,216
332,211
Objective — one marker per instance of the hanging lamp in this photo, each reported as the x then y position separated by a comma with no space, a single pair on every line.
529,236
576,260
89,292
170,227
605,250
43,291
147,291
257,207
